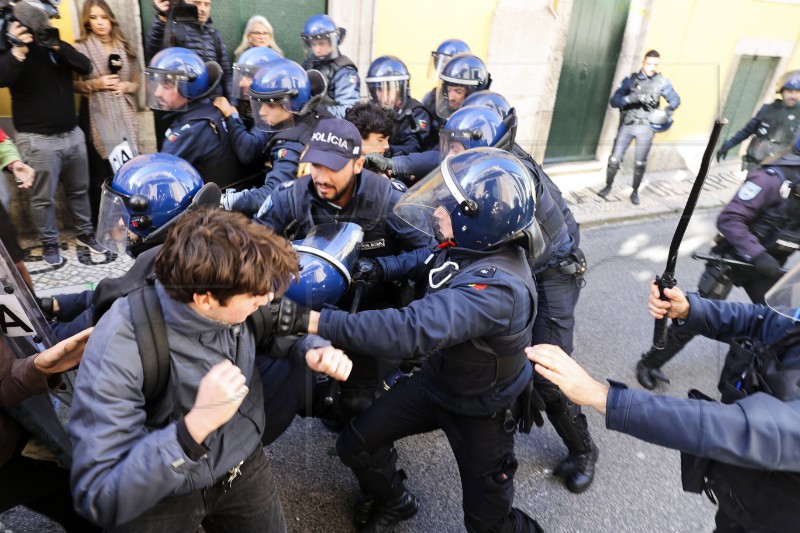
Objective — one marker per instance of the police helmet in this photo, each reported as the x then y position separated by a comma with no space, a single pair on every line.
327,256
470,127
280,81
183,72
487,193
489,99
463,75
387,81
660,120
790,81
143,196
445,51
321,28
247,65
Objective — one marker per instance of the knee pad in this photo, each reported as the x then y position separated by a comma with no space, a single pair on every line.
639,165
614,162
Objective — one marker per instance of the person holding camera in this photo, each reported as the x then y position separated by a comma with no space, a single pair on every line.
38,72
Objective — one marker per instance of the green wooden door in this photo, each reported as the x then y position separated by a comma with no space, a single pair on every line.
590,59
230,17
752,74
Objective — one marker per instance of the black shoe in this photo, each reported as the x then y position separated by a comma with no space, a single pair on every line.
649,377
605,191
362,511
577,470
51,254
635,198
90,242
390,513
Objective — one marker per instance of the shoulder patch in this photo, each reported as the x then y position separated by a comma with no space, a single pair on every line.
399,185
281,153
748,191
478,286
487,272
352,80
423,124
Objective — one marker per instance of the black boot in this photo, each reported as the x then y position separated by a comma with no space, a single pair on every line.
648,368
605,191
611,171
638,174
362,510
388,514
635,197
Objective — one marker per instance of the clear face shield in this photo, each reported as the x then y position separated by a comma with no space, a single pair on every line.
389,93
323,47
450,95
272,114
784,296
113,221
165,90
453,142
429,206
436,64
242,79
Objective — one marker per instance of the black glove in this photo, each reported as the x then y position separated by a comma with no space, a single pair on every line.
722,153
369,270
292,319
377,163
767,265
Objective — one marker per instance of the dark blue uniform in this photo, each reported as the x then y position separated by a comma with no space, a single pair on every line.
413,126
471,331
344,84
775,126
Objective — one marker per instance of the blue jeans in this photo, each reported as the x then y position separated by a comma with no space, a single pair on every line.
57,158
249,505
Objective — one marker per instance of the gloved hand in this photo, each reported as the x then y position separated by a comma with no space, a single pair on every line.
291,318
368,270
378,163
229,196
722,153
767,265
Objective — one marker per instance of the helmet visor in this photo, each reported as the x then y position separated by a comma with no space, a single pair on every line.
166,90
436,64
453,142
242,79
321,47
450,96
389,92
784,296
273,114
425,205
113,221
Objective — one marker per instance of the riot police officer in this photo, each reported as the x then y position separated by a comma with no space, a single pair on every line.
321,39
388,84
461,76
638,95
180,82
774,126
285,107
760,226
447,49
470,329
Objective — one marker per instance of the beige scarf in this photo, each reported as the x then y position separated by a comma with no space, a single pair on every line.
113,118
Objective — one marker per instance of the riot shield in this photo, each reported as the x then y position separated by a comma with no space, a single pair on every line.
25,332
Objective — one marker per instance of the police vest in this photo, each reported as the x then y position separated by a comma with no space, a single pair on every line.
217,163
650,88
328,69
405,119
482,376
777,130
759,500
778,228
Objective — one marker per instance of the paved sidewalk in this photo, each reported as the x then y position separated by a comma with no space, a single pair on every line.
661,193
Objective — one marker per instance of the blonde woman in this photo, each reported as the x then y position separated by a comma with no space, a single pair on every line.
257,32
108,109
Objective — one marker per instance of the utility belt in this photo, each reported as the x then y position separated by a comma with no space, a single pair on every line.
574,265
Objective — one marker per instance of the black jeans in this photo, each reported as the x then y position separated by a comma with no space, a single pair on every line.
249,504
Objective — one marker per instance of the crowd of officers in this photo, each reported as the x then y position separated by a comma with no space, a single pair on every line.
454,278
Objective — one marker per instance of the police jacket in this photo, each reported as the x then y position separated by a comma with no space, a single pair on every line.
470,329
199,135
282,150
759,432
632,111
764,215
412,130
344,84
204,39
775,126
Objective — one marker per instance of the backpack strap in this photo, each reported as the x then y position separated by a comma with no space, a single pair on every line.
151,339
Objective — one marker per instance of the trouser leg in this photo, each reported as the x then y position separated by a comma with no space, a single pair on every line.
75,180
43,154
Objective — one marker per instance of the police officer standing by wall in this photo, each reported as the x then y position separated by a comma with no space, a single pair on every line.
636,97
759,226
742,451
470,328
774,126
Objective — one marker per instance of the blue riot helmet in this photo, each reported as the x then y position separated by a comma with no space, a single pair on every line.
474,126
443,53
279,90
485,195
178,75
660,120
321,38
789,81
327,256
461,76
490,99
246,67
387,82
144,196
